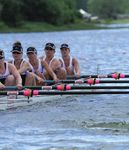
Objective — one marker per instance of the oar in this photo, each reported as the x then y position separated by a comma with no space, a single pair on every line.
113,75
71,92
63,87
88,81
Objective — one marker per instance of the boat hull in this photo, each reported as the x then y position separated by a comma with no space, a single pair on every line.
20,101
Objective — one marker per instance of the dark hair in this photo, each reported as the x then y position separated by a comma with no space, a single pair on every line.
1,53
17,43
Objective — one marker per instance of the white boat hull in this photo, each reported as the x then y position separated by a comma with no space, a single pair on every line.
9,103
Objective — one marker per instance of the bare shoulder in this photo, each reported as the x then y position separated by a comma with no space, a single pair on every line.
56,62
75,59
55,59
25,63
11,67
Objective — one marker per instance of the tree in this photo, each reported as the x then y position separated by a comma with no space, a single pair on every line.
11,12
0,10
82,4
50,11
105,8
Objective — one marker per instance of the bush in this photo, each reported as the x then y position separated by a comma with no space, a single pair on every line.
11,12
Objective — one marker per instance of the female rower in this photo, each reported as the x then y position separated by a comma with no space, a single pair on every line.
53,62
39,66
70,63
9,76
22,66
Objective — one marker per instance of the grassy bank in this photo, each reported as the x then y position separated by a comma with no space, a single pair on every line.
116,21
44,27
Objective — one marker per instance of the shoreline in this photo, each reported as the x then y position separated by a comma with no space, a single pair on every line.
27,27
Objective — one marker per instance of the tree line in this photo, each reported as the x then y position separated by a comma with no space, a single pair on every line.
57,12
108,9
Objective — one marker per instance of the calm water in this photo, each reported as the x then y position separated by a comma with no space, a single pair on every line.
93,122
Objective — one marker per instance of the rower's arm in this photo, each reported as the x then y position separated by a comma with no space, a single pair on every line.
76,66
25,67
15,73
49,70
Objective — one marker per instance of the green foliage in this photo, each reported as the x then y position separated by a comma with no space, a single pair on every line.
106,8
0,11
57,12
53,12
82,4
11,12
125,6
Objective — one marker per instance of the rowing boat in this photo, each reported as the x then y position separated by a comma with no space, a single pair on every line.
9,102
31,95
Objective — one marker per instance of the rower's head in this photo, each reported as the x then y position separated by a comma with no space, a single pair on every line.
31,51
17,43
17,52
50,47
64,48
2,54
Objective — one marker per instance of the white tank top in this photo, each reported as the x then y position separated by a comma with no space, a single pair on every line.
7,73
23,60
70,63
50,60
40,67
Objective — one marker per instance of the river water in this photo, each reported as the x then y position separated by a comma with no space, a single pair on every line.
86,122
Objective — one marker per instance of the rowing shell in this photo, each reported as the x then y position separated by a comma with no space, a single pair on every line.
13,101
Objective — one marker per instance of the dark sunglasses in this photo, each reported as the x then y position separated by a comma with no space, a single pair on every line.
30,53
64,48
1,57
16,53
48,48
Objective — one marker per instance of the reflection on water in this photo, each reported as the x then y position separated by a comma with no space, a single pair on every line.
73,123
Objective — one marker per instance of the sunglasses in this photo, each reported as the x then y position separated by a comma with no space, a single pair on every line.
49,48
1,57
64,49
30,53
16,53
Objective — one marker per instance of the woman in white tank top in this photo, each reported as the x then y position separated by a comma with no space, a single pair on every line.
9,76
53,62
39,66
22,66
71,64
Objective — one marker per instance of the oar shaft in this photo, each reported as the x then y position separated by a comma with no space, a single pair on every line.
99,76
97,87
68,87
86,81
81,92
